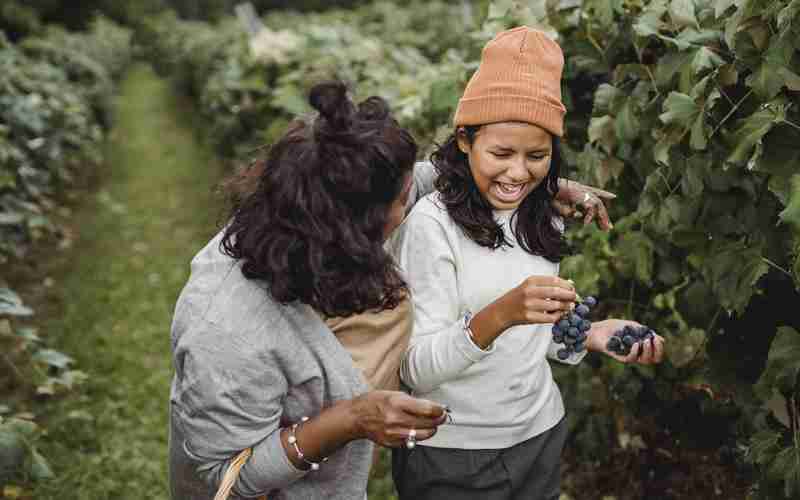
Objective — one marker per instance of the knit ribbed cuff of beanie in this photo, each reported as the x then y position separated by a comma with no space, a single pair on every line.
506,108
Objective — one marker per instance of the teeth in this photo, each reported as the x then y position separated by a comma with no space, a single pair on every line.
510,188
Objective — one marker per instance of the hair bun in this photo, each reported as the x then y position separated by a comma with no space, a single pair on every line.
373,108
330,99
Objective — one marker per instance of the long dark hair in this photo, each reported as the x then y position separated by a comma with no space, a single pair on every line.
533,222
310,219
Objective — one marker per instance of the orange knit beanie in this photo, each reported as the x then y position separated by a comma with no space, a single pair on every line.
519,79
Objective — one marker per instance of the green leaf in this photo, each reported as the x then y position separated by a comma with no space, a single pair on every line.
790,79
649,22
679,109
40,469
721,6
601,131
604,98
773,73
751,131
682,13
788,14
732,269
692,182
636,256
682,349
791,214
705,59
626,123
783,364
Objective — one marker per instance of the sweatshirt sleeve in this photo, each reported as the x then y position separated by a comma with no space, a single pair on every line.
231,399
440,347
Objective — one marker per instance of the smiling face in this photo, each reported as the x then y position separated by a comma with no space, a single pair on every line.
508,160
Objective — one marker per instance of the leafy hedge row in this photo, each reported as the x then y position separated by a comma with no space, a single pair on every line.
688,109
247,90
55,91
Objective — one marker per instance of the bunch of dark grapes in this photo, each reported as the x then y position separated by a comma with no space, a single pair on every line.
572,329
623,340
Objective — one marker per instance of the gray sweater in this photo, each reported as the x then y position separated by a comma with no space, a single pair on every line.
245,366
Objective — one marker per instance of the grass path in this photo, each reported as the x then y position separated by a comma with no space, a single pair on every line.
154,210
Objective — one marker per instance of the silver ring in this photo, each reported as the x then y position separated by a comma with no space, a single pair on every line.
586,197
411,440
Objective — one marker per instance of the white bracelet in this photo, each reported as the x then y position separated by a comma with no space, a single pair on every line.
300,454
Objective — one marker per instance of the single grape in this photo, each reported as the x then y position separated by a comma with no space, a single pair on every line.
582,310
558,339
574,319
585,325
573,332
580,347
562,354
590,301
628,340
563,324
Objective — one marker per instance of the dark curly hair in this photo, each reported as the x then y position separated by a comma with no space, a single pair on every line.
309,218
533,220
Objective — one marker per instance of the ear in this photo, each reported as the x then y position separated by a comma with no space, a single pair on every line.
463,142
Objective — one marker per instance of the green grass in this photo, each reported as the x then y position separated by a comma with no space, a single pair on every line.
117,288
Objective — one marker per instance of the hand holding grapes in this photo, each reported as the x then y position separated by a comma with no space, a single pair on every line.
644,352
537,300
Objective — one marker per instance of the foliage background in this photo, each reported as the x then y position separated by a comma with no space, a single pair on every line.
687,109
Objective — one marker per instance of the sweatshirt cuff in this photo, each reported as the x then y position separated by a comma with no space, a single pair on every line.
467,346
268,468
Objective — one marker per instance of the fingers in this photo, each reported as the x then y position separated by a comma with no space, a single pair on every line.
563,209
550,281
605,220
422,408
606,195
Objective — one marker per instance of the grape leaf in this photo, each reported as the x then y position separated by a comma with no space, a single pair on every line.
601,131
680,109
783,364
626,123
636,255
732,269
682,13
40,469
752,129
791,214
720,6
682,349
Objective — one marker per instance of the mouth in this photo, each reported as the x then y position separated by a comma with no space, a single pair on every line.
508,193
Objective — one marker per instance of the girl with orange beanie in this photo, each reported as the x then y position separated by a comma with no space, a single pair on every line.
481,257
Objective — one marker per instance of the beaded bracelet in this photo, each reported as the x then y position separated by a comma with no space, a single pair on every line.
300,454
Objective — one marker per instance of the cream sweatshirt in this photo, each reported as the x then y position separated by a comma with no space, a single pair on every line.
499,397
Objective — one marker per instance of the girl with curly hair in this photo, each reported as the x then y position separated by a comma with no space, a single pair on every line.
481,258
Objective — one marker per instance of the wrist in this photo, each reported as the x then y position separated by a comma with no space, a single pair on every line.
350,418
488,324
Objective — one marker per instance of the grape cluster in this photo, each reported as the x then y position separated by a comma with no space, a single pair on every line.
572,328
623,340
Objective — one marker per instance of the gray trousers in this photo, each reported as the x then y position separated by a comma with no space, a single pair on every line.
529,470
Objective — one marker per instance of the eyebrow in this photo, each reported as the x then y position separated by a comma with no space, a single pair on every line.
540,149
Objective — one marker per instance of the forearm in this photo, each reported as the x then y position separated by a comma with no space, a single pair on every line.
322,435
489,323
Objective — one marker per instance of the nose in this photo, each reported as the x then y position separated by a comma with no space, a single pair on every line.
517,172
